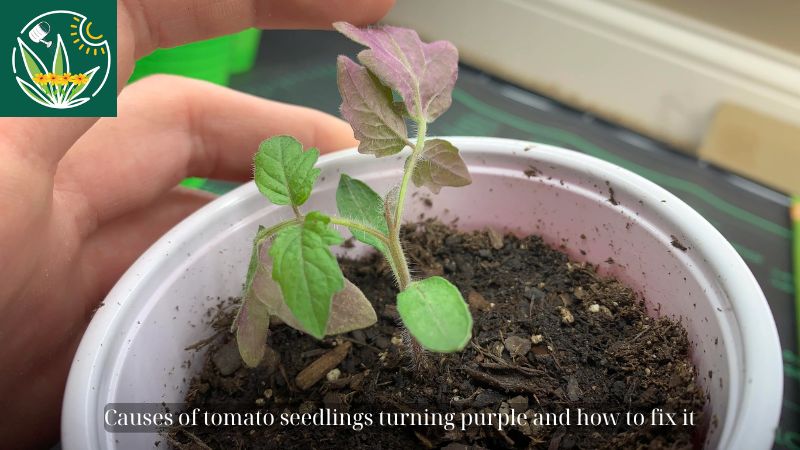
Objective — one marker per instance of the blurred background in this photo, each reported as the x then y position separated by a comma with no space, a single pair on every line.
701,97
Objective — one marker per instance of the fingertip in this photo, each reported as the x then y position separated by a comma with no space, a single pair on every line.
322,15
331,133
372,12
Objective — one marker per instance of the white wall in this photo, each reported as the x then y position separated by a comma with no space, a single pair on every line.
633,63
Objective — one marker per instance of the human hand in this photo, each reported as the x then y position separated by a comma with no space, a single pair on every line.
80,199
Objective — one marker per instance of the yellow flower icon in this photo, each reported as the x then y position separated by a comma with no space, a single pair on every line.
40,78
61,80
79,79
49,78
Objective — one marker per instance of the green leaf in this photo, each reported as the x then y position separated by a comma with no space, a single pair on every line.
76,90
367,105
350,309
256,254
307,271
33,93
285,173
357,201
60,59
440,165
436,314
33,65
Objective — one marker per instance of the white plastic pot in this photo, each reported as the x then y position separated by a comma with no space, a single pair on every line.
133,350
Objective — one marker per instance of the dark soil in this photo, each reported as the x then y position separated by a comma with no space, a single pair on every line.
550,336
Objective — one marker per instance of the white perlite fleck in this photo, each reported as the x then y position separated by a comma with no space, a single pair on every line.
566,316
333,375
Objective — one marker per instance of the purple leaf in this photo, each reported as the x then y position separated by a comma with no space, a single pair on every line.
367,105
440,165
252,324
423,74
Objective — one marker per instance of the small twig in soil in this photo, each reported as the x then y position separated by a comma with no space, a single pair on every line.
361,344
321,366
503,364
192,436
522,369
488,354
638,335
282,370
553,354
425,441
313,353
536,398
203,342
503,383
465,402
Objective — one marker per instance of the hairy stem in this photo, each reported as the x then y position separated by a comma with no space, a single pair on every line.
296,211
411,165
266,233
399,263
396,247
360,227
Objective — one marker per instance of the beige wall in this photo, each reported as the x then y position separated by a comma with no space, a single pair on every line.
772,22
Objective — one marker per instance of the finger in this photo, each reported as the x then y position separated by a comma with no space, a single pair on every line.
143,26
105,257
170,128
28,148
108,252
167,23
37,398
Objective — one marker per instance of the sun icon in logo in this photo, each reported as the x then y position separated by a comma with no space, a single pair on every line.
59,75
82,36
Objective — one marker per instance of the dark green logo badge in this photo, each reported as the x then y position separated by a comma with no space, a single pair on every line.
62,61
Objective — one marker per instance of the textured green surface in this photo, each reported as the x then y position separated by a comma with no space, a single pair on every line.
436,315
213,60
355,200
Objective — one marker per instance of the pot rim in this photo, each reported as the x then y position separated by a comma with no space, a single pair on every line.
760,350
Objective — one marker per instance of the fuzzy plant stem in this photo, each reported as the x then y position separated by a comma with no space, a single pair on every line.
395,245
360,227
412,164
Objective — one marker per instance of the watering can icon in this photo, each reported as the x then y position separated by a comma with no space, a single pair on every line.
39,32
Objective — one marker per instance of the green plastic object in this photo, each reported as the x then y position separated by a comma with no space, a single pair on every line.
245,50
213,60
